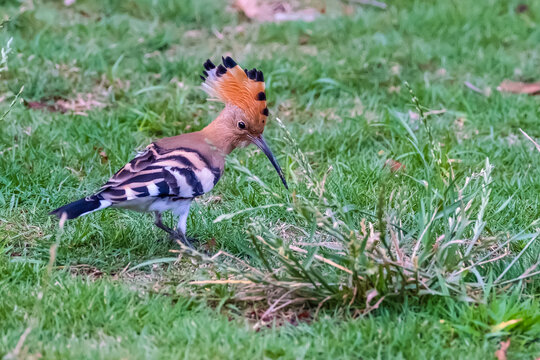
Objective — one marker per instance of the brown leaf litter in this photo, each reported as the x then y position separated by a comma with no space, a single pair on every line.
102,154
519,87
394,165
501,353
78,106
290,316
275,11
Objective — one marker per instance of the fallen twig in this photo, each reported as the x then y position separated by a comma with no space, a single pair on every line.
475,89
531,139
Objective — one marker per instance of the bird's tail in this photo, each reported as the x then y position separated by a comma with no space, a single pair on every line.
81,207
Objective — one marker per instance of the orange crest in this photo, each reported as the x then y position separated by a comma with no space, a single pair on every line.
230,84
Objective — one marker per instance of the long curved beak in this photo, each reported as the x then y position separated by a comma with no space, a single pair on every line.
261,144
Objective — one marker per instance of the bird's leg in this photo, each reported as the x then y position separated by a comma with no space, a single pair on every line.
159,224
174,234
182,211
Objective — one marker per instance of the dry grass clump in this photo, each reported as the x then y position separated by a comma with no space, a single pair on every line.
442,250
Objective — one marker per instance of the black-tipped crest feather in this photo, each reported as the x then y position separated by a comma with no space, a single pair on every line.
252,74
221,70
209,65
229,62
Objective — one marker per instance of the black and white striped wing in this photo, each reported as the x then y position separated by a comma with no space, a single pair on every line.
158,173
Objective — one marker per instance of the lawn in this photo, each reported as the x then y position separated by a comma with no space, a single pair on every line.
101,79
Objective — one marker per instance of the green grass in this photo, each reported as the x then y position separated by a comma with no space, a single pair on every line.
337,84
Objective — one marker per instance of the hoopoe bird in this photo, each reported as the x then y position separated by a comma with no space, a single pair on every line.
172,171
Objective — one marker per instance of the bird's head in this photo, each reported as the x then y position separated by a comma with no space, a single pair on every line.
245,115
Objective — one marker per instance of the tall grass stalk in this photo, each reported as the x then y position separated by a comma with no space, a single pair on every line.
4,52
4,55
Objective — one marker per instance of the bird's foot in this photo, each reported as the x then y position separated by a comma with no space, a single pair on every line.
192,240
180,236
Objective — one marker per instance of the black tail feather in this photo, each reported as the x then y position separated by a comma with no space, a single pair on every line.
77,208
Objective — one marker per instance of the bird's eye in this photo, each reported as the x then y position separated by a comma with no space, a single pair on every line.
241,125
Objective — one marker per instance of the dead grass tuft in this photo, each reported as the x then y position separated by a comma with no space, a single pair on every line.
339,262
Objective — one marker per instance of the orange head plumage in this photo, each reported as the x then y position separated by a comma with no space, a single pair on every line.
243,120
232,85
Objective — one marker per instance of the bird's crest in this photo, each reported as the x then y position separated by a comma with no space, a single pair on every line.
231,84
